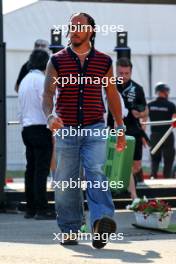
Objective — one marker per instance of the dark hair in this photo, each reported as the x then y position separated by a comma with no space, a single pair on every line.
38,60
90,21
124,62
161,87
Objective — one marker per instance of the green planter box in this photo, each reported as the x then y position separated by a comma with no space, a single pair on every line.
118,165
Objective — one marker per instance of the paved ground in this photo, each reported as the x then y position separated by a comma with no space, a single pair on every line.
31,242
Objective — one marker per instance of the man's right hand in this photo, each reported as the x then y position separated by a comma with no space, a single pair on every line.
135,113
55,123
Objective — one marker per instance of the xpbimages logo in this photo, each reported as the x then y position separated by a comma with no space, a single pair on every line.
85,184
79,79
103,29
87,132
87,236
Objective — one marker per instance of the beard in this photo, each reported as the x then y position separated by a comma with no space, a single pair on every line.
78,42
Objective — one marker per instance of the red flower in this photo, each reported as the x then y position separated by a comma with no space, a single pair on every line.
152,206
153,203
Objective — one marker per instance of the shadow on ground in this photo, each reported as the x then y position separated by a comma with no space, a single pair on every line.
113,254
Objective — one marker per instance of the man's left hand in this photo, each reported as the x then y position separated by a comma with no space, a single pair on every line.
121,143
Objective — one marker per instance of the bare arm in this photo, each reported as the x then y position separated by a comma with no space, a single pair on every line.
49,92
49,89
114,99
143,115
115,108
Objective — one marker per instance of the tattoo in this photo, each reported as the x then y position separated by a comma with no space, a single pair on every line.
49,89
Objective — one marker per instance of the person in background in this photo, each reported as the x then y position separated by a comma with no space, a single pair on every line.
162,109
36,136
134,100
39,44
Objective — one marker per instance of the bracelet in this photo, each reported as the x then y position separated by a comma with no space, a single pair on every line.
121,127
49,117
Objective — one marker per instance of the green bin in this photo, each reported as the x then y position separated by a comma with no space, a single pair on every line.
119,164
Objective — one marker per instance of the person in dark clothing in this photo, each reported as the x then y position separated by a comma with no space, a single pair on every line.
134,100
162,109
39,44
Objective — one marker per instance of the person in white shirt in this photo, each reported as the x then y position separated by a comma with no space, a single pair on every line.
36,136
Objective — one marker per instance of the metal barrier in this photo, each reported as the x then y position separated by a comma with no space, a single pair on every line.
15,148
172,124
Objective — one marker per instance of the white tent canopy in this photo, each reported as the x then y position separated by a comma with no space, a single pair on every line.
150,30
150,27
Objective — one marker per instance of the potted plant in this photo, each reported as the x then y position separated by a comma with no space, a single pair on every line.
151,213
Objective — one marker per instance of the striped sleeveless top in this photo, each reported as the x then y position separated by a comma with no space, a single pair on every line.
79,101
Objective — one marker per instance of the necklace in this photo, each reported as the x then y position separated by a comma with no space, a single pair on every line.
80,54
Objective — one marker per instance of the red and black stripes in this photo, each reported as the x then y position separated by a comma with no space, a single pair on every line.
79,101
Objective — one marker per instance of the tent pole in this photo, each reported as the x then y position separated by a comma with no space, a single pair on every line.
150,75
2,112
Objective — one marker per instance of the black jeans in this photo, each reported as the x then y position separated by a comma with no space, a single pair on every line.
38,142
166,151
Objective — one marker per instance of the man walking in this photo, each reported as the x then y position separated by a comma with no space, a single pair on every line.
80,105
